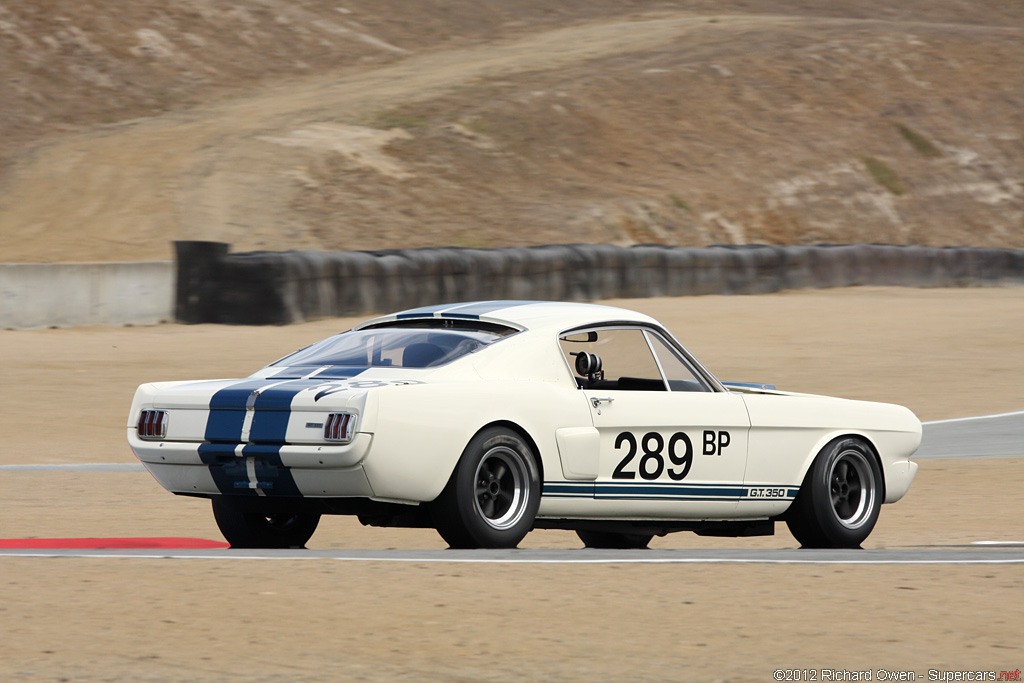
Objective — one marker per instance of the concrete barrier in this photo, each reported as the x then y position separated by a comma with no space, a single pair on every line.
286,287
75,294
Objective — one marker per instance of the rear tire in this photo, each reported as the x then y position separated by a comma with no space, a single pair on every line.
607,539
243,528
493,495
839,500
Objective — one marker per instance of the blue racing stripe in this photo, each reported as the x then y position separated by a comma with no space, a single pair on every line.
234,396
227,411
230,474
338,372
272,409
470,310
226,469
271,475
425,311
477,309
269,426
225,425
280,397
297,372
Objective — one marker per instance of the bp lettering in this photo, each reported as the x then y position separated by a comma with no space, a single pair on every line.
715,442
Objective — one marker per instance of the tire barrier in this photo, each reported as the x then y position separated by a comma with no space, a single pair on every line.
261,288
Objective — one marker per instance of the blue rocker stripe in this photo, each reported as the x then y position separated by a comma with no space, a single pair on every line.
718,499
662,491
711,491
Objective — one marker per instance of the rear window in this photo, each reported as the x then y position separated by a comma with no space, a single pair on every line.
411,345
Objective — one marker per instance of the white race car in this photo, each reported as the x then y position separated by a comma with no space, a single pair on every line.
486,420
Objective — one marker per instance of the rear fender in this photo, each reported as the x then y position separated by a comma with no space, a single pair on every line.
421,431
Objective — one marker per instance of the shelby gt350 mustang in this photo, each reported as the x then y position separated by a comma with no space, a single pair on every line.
485,420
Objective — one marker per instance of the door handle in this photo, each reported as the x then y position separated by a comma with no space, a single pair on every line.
598,401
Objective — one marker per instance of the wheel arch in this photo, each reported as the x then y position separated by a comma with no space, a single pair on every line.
526,436
504,511
827,441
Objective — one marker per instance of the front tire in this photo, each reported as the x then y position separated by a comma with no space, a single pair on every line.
839,500
493,495
244,528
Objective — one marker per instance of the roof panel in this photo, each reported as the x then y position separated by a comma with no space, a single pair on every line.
525,314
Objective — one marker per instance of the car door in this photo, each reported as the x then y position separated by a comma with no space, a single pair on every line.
671,445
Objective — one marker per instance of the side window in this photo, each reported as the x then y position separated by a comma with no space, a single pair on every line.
626,360
679,374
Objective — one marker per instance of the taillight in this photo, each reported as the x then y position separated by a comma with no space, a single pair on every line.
152,424
339,427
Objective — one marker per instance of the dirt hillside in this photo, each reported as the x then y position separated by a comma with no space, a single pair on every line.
275,125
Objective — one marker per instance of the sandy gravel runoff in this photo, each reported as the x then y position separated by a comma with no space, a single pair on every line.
944,353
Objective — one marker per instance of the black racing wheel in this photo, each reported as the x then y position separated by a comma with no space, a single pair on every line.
840,497
493,495
243,527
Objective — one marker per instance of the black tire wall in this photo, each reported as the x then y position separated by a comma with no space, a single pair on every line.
278,288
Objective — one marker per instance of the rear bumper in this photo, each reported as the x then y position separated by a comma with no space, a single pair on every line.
257,469
220,480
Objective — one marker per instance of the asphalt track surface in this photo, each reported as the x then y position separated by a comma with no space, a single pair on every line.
986,436
990,436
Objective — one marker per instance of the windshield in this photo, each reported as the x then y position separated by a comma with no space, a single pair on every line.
392,347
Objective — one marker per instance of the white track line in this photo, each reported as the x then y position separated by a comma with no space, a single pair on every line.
1010,544
975,417
692,560
589,561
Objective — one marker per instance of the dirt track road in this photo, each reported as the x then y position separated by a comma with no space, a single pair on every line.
944,353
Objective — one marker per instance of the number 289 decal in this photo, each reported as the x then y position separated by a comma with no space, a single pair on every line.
652,462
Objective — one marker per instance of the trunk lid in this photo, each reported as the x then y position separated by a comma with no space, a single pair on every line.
257,411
